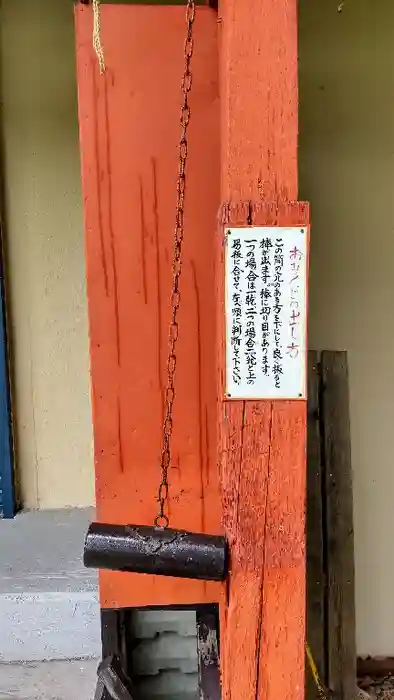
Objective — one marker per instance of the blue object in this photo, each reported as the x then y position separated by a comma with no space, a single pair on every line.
7,490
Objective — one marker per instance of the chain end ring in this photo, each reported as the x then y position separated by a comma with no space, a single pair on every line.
161,521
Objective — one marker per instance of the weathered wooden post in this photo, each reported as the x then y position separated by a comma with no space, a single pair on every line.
262,442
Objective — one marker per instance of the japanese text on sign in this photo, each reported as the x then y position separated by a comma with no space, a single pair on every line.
265,298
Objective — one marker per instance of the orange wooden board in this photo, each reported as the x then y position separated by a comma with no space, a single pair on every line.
262,444
129,132
262,458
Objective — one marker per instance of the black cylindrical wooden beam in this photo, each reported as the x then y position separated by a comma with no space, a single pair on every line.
150,550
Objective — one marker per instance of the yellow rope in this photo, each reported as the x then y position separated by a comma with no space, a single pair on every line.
97,44
315,674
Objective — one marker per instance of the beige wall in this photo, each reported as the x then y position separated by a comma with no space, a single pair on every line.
46,264
347,171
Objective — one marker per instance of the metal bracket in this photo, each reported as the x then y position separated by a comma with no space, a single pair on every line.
112,682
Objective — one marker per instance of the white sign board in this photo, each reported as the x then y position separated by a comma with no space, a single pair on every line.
265,298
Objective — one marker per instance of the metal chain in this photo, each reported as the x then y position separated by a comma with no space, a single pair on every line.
162,520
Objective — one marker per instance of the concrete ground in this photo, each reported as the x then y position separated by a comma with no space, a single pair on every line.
49,607
50,680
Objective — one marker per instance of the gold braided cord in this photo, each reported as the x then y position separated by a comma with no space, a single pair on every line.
323,693
97,43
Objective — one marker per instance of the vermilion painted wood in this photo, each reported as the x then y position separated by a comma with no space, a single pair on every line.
129,130
129,136
262,444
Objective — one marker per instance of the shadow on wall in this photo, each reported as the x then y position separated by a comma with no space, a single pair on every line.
45,258
347,171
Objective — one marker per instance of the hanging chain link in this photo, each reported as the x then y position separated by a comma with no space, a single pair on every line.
162,519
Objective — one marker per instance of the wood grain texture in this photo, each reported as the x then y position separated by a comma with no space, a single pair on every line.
207,618
129,131
262,444
263,476
259,99
316,617
342,661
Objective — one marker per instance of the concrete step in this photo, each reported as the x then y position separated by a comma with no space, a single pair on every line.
51,680
49,607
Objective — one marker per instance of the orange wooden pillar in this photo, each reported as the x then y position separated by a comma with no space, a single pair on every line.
262,444
129,124
129,134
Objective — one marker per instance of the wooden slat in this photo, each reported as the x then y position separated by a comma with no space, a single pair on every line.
114,631
315,571
207,618
129,147
375,667
113,644
339,523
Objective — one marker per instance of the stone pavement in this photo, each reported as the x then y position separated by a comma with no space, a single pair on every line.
49,607
50,680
